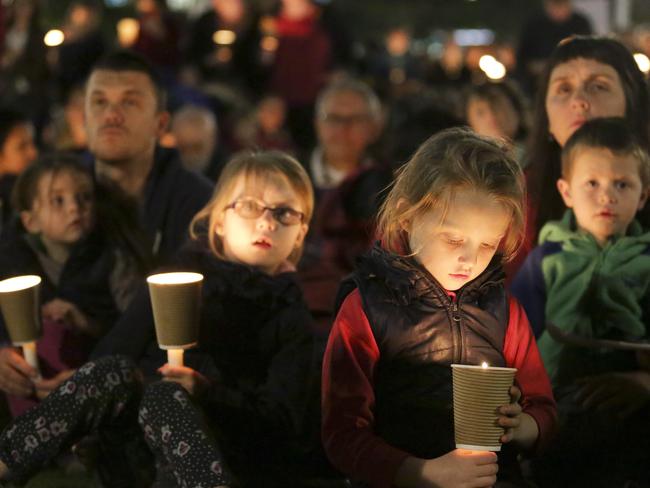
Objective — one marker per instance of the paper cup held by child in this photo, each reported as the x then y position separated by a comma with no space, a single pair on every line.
478,393
176,301
19,300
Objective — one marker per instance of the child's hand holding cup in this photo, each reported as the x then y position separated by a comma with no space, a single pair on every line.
19,300
176,303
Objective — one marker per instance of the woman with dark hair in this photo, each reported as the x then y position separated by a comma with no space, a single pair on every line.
588,78
585,78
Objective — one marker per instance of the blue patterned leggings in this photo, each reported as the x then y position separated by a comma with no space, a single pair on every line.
109,395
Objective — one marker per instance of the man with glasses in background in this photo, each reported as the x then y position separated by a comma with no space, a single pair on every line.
347,182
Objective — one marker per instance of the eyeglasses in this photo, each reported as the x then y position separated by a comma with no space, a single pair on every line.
248,208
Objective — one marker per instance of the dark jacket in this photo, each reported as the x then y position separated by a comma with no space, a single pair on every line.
172,196
255,345
85,280
420,330
342,229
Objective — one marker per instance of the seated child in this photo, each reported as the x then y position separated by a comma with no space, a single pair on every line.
87,281
243,398
428,295
498,110
590,278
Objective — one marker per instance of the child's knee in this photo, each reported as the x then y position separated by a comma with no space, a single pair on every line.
108,373
108,364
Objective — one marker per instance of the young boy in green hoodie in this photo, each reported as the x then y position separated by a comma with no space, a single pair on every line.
590,278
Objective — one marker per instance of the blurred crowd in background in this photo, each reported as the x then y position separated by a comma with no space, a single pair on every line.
241,74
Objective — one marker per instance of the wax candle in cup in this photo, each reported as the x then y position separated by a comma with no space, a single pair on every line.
19,300
176,302
478,393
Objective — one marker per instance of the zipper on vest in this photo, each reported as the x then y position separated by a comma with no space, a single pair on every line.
455,329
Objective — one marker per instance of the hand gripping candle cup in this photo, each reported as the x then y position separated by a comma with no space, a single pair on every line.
19,300
478,393
176,303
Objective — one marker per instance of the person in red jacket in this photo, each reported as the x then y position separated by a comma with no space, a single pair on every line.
428,295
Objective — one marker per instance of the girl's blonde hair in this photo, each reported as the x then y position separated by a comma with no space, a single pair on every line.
268,167
453,159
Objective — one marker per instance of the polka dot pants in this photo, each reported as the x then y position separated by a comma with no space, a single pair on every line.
108,395
175,431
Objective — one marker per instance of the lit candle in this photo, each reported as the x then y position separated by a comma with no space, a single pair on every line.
484,365
175,357
175,301
19,301
30,355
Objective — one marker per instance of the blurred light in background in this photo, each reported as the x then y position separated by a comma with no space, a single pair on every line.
224,37
183,4
116,3
642,62
492,68
127,31
473,37
269,43
54,38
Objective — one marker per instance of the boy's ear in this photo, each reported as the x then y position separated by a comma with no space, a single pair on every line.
565,192
30,223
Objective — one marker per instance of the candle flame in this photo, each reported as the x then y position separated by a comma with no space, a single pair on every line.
484,365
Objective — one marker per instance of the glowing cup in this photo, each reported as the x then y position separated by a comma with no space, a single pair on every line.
478,393
19,300
176,303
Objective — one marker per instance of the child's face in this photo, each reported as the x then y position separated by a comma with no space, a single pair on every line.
63,210
497,119
458,248
271,114
18,150
261,240
604,190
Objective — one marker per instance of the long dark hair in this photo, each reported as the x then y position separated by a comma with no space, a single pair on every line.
544,152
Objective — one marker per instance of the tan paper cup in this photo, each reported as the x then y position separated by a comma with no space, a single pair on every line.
478,393
19,300
176,303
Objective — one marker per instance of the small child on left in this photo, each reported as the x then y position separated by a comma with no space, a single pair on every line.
87,281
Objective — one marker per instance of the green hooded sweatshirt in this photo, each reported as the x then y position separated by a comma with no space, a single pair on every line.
592,291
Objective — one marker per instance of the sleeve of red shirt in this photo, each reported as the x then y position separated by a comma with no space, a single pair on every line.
348,400
520,351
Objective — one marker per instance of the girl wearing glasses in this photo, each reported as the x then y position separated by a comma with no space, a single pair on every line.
246,396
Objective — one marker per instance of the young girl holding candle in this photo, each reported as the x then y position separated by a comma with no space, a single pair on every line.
247,390
88,278
428,295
